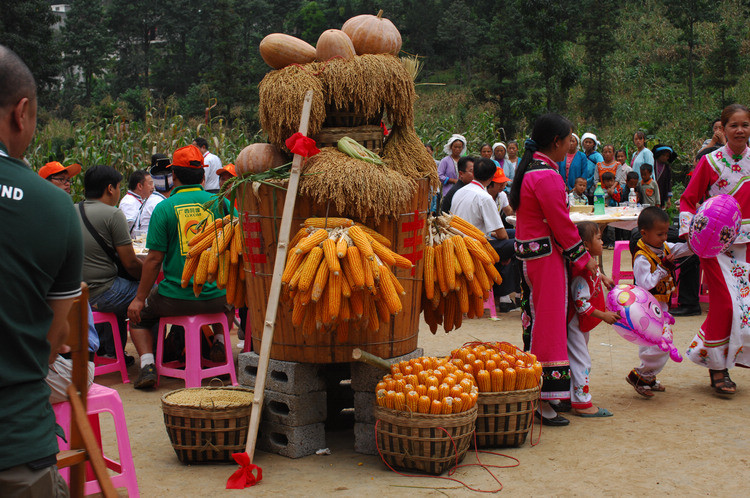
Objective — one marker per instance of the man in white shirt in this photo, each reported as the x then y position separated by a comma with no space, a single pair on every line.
162,179
212,164
140,186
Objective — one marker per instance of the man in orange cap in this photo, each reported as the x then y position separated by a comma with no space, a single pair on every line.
226,173
59,175
174,222
497,190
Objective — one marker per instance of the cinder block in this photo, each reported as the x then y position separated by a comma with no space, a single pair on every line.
292,442
286,377
295,409
364,439
366,377
363,404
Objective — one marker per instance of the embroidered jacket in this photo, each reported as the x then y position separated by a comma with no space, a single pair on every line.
585,296
660,281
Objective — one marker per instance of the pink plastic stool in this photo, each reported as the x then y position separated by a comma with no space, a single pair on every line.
702,292
194,371
103,399
107,365
620,247
489,304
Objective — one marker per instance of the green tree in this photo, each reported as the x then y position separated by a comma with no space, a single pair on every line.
599,20
723,64
87,40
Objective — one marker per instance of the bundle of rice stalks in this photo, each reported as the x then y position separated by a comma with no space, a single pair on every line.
371,84
356,188
404,152
282,94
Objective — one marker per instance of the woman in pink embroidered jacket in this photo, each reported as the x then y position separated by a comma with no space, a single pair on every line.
544,236
723,340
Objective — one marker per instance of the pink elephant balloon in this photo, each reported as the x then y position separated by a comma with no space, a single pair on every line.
642,320
715,226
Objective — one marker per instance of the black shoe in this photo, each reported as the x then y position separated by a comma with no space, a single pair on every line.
556,421
129,360
147,377
686,311
563,406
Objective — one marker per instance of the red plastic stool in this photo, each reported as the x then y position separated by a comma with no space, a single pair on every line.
107,365
103,399
195,367
617,274
489,304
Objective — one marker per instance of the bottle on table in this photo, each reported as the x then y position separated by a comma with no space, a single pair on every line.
598,199
632,198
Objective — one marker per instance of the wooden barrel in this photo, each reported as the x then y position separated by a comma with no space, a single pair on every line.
261,218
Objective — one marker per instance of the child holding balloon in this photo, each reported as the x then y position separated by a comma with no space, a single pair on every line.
586,311
653,270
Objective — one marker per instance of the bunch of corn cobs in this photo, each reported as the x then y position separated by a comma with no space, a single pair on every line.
459,269
498,366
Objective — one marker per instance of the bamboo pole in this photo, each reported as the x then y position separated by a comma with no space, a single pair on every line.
370,359
275,292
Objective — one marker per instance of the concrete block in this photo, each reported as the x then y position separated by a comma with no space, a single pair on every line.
295,409
283,376
366,377
292,442
363,407
364,439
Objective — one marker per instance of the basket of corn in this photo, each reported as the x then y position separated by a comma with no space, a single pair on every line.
509,384
425,411
207,424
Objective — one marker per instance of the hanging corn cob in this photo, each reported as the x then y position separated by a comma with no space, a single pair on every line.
338,276
458,272
215,254
498,366
427,385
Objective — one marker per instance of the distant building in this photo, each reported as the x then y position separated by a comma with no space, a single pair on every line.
60,11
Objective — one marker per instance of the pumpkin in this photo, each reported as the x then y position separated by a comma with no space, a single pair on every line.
373,34
256,158
280,50
334,43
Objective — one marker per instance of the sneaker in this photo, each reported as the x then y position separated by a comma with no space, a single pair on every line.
218,353
129,360
147,377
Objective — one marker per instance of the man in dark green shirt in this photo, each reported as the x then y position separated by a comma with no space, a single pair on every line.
173,223
42,256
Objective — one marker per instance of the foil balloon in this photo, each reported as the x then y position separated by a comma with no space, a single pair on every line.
642,321
715,226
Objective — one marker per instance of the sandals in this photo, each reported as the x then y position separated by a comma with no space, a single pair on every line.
641,387
723,384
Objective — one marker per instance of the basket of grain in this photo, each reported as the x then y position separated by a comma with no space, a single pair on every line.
207,424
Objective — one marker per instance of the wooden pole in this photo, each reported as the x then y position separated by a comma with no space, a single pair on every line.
370,359
273,297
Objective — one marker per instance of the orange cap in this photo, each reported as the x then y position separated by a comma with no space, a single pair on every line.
55,167
188,157
229,168
500,176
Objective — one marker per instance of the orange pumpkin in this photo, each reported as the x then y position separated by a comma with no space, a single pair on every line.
373,34
334,43
280,50
256,158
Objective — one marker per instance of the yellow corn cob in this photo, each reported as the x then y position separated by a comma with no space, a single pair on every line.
321,278
466,227
308,323
298,312
239,296
306,297
447,404
463,297
373,324
509,379
429,271
412,401
346,311
496,380
443,390
213,263
375,235
396,284
328,222
369,276
308,243
225,238
478,303
400,402
197,288
332,259
354,261
301,233
385,254
223,275
464,259
388,292
357,304
341,247
457,408
201,246
319,314
293,260
325,311
493,274
477,250
360,240
201,273
209,230
236,249
375,267
449,264
294,282
450,311
334,295
241,271
491,252
483,381
191,264
310,267
424,404
440,270
232,279
384,314
481,275
521,378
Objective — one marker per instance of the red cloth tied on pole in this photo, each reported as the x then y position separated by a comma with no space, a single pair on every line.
301,145
244,477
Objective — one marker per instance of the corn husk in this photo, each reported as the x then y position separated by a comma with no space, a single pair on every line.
404,152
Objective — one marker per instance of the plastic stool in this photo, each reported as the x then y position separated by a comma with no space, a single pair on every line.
702,289
107,365
194,371
617,274
103,399
489,304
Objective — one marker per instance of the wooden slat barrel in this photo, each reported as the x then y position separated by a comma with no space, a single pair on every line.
261,218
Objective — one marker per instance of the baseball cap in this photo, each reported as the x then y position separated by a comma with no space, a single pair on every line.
55,167
189,156
229,168
500,176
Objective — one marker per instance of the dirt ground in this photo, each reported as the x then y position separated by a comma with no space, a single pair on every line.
685,441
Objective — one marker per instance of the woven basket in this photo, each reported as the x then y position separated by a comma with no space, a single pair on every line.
417,441
206,434
504,418
369,136
347,117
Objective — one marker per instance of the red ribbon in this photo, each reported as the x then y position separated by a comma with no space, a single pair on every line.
244,477
301,145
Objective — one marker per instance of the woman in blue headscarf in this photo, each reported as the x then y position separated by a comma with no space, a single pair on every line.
574,165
